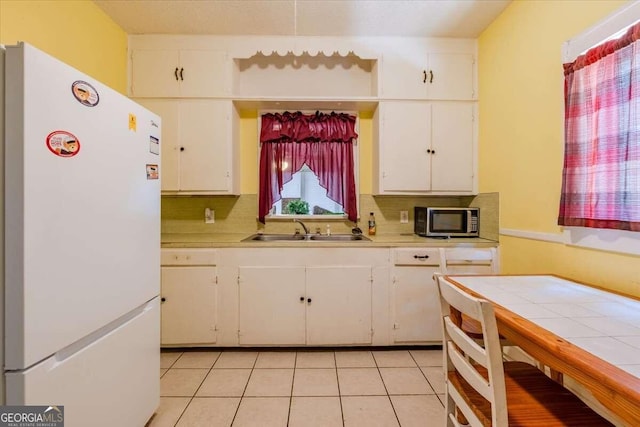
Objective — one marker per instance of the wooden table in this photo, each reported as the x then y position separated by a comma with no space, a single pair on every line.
589,334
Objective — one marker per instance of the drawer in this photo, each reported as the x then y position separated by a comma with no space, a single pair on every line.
189,257
417,256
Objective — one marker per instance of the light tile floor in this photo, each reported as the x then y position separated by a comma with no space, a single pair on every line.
324,388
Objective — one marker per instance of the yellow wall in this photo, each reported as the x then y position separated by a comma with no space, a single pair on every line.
521,136
75,31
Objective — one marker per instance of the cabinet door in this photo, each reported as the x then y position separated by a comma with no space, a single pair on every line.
203,73
416,305
404,71
452,77
205,140
405,139
339,305
167,109
452,165
154,73
189,305
272,305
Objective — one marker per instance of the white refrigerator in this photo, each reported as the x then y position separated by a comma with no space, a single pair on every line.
81,245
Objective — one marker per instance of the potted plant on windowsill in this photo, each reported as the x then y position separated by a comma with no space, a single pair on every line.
297,207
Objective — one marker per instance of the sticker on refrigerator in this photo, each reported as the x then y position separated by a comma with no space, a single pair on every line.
86,94
63,144
152,171
132,122
154,145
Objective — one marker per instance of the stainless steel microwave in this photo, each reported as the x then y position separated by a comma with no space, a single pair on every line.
446,222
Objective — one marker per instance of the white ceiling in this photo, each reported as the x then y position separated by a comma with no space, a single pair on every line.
407,18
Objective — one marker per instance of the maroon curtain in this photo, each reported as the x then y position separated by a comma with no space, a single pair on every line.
324,142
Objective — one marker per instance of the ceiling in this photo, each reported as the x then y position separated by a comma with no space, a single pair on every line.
406,18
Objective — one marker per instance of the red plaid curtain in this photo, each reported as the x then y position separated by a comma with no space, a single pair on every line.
324,142
601,176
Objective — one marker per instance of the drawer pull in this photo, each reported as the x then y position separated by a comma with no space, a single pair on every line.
421,256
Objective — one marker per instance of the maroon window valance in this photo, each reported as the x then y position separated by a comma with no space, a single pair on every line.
324,142
299,127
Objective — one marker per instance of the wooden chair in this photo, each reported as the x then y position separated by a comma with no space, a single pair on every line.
482,390
470,261
479,261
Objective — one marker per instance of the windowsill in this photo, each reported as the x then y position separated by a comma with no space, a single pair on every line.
625,242
618,241
314,218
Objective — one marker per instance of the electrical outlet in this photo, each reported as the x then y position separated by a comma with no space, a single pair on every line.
404,217
209,216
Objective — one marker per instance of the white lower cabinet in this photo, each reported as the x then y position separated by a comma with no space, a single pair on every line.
272,305
308,296
189,297
339,305
415,301
300,305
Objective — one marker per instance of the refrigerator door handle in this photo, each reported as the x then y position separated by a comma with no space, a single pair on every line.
85,342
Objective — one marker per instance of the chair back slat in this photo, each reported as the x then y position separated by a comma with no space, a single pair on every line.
464,344
464,367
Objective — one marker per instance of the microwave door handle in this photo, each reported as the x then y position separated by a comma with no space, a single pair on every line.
468,221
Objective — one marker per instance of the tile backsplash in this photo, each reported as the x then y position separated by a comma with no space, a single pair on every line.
185,214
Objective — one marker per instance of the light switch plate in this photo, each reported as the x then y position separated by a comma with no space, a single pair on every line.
209,216
404,217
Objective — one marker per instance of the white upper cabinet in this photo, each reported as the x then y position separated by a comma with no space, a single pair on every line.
179,73
197,149
450,76
425,148
426,69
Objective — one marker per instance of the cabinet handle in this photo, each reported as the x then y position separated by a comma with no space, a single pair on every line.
430,76
181,148
163,299
428,150
301,299
424,76
175,73
308,300
182,69
421,256
433,151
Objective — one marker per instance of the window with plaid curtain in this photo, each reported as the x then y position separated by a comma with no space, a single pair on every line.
601,175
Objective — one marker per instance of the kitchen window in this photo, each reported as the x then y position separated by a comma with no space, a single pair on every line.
601,175
307,165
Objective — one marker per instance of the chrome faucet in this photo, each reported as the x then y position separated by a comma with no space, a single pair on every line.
304,227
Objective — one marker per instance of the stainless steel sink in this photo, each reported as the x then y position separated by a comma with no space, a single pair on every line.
274,237
339,238
301,238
